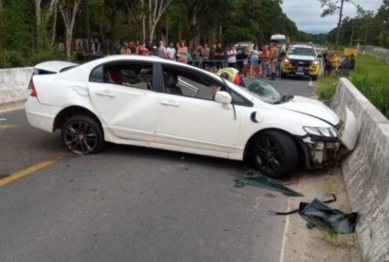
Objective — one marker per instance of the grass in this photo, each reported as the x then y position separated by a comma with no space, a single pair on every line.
369,76
333,237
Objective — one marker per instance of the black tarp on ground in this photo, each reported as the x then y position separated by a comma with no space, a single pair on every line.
319,214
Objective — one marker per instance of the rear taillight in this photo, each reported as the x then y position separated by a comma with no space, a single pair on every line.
32,89
238,79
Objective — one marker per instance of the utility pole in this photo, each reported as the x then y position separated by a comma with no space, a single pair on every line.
352,34
340,21
367,29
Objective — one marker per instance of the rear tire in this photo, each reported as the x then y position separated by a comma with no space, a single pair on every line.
283,76
314,78
274,154
82,135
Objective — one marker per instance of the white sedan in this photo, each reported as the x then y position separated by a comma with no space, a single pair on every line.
158,103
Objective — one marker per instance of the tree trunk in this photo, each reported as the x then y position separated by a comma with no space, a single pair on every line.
87,24
142,4
38,20
339,23
54,31
150,19
69,18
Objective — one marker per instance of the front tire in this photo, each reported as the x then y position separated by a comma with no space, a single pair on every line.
314,78
283,75
275,154
82,135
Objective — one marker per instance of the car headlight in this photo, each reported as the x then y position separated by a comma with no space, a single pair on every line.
316,62
286,60
322,131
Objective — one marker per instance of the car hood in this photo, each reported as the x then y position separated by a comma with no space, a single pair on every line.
301,57
312,108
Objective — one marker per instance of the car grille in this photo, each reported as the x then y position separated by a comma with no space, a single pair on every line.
300,62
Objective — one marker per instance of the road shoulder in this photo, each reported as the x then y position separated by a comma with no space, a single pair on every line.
303,244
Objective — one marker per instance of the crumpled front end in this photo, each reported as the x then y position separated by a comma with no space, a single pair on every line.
330,146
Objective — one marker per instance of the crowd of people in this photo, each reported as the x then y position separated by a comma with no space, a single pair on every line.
336,64
252,62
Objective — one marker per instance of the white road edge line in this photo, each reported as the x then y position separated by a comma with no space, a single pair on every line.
284,239
11,109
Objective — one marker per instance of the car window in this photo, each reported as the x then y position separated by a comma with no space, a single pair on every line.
305,51
186,82
136,75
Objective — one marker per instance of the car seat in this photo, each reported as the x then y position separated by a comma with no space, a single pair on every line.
170,82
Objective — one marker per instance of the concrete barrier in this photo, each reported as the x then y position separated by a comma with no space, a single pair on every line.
13,85
366,171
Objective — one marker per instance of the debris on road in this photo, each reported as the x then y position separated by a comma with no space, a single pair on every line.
296,210
317,214
259,180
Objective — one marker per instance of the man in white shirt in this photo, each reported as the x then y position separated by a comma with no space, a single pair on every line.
231,56
171,51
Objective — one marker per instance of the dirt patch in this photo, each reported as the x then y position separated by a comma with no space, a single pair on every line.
303,244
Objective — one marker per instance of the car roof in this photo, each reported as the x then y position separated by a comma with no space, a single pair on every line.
302,45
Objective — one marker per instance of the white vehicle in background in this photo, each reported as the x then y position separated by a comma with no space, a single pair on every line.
153,102
281,41
321,50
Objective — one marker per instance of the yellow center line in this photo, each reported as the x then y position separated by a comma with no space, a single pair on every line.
26,171
5,126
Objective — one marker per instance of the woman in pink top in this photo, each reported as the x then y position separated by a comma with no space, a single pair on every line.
182,53
143,50
265,58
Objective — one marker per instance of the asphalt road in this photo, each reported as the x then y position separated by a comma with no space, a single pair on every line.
129,203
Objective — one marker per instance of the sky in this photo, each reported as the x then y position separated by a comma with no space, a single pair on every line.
306,14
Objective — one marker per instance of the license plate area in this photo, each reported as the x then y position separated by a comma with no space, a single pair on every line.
300,71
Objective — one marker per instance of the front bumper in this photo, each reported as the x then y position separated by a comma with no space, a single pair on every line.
303,69
325,152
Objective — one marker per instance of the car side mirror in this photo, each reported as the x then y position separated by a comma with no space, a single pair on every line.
223,97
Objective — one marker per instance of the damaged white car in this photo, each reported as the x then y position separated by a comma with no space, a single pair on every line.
158,103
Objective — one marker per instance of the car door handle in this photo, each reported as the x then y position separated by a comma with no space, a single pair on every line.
104,94
169,103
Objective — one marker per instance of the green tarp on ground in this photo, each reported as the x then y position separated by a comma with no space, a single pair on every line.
259,180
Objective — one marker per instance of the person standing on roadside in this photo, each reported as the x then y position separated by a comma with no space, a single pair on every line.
205,56
351,64
274,54
171,51
149,45
264,57
231,56
212,58
125,50
182,53
219,54
162,50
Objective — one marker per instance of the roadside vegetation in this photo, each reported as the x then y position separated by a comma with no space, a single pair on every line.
31,31
369,76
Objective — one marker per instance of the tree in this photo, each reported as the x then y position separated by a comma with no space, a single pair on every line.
68,9
40,27
331,7
156,9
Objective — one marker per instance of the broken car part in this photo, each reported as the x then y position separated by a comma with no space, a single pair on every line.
259,180
317,214
296,210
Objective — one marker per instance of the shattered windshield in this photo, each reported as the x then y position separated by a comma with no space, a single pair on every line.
302,51
265,92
